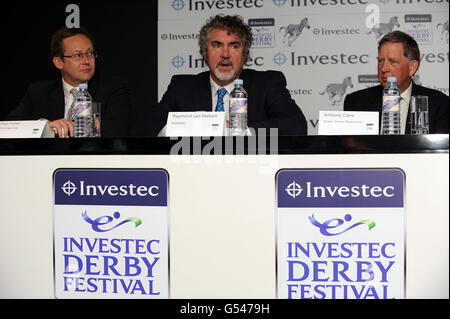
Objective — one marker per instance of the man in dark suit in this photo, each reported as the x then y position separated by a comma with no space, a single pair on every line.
399,56
224,44
73,54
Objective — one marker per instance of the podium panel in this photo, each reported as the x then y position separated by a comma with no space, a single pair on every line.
222,210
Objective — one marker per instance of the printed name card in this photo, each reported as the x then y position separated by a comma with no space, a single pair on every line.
340,234
195,124
111,233
348,123
24,129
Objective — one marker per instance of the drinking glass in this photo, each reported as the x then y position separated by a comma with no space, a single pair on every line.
419,115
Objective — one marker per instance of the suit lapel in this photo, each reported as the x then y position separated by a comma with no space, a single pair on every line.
94,87
378,105
203,101
245,76
57,104
408,116
416,90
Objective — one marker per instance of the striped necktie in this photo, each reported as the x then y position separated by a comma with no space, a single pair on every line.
72,106
220,94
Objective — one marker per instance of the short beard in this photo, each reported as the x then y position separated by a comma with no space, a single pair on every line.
225,76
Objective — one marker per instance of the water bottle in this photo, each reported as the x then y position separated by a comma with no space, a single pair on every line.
238,109
391,108
83,117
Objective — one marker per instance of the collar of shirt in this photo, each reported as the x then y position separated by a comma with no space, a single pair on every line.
68,98
404,107
226,98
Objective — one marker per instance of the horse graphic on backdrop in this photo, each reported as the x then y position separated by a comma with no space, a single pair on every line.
383,28
336,91
293,31
443,28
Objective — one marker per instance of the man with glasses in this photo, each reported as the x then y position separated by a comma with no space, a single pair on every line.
74,55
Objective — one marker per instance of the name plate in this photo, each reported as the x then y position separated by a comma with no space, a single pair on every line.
24,129
195,124
348,123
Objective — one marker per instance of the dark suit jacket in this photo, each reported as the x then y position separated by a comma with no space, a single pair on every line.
371,99
45,99
269,102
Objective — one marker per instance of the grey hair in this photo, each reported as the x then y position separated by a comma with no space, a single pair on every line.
410,47
233,24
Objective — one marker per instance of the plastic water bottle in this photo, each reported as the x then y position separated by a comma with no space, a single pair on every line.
238,109
391,108
83,117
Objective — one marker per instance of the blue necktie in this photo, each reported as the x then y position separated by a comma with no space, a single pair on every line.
220,94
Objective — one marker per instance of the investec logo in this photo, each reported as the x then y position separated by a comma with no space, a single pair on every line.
70,188
308,190
190,62
195,62
310,3
201,5
325,59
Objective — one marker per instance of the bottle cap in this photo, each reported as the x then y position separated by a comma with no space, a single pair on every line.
238,82
83,86
392,79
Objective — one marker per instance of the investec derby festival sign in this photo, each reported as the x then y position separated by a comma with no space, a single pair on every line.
111,234
340,234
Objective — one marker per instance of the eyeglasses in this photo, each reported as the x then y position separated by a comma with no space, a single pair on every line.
80,56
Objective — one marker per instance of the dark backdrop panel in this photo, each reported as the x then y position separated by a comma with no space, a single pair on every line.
125,34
